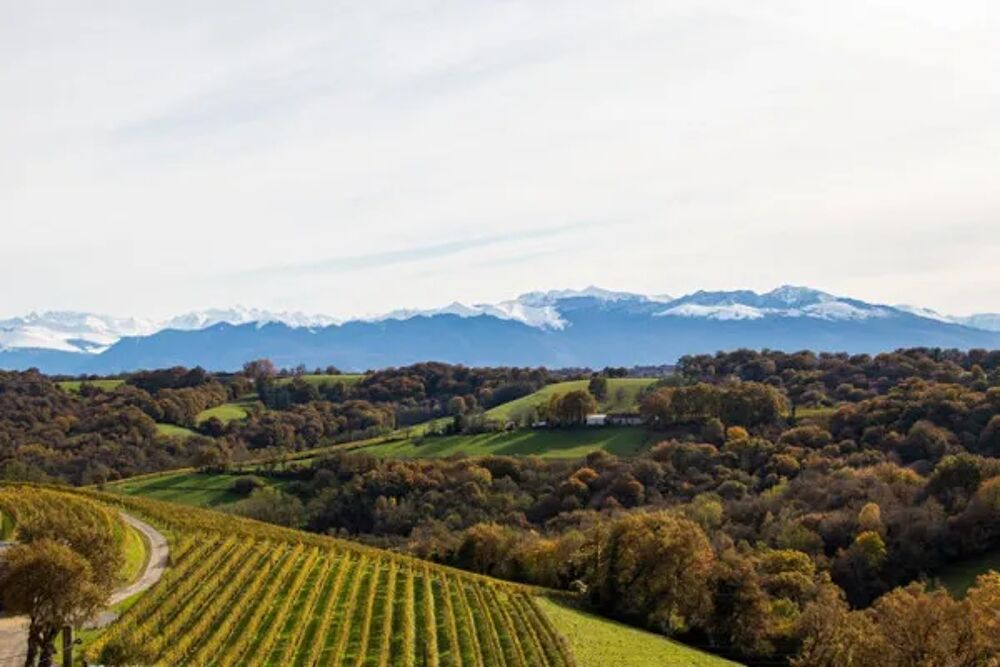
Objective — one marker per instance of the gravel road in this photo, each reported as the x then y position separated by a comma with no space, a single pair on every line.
14,630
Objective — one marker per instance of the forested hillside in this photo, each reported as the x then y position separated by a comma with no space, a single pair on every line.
791,507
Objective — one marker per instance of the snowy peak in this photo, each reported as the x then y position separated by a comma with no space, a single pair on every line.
984,321
785,301
792,296
541,316
239,315
89,333
552,311
543,310
555,296
70,331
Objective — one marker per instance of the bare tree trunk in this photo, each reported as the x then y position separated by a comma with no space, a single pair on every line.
48,648
34,639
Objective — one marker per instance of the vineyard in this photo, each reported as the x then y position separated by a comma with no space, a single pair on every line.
240,592
245,593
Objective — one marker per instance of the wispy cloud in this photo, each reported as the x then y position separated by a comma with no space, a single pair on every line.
421,253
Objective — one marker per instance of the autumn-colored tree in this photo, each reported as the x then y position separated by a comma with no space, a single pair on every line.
572,407
739,607
53,586
923,628
259,368
457,406
651,567
982,607
870,519
989,440
834,636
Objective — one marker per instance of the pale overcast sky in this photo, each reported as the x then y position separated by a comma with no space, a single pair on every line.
354,157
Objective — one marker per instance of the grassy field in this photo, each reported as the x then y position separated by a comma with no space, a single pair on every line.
548,443
186,488
136,552
228,412
595,640
105,384
174,431
346,378
623,396
958,577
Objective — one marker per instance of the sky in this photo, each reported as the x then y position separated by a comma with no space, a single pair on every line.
351,158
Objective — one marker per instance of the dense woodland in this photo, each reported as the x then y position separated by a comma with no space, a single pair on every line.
811,538
98,435
794,509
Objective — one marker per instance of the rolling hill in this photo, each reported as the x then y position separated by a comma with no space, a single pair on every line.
623,396
242,592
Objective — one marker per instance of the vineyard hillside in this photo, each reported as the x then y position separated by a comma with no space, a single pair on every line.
248,593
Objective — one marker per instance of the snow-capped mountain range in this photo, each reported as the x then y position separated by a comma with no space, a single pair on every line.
90,333
592,327
536,309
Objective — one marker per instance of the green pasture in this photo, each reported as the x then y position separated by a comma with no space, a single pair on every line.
623,396
317,379
547,443
595,640
107,384
186,488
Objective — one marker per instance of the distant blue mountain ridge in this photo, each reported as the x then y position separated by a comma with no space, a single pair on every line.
591,327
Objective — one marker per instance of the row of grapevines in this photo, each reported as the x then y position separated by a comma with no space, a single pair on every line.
469,621
385,638
206,616
552,634
344,630
369,612
325,620
267,641
238,646
188,560
430,622
454,652
410,620
301,623
162,614
541,651
228,624
208,590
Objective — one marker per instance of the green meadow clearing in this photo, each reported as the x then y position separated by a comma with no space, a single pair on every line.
547,443
346,378
173,430
107,384
227,412
623,396
595,640
199,489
